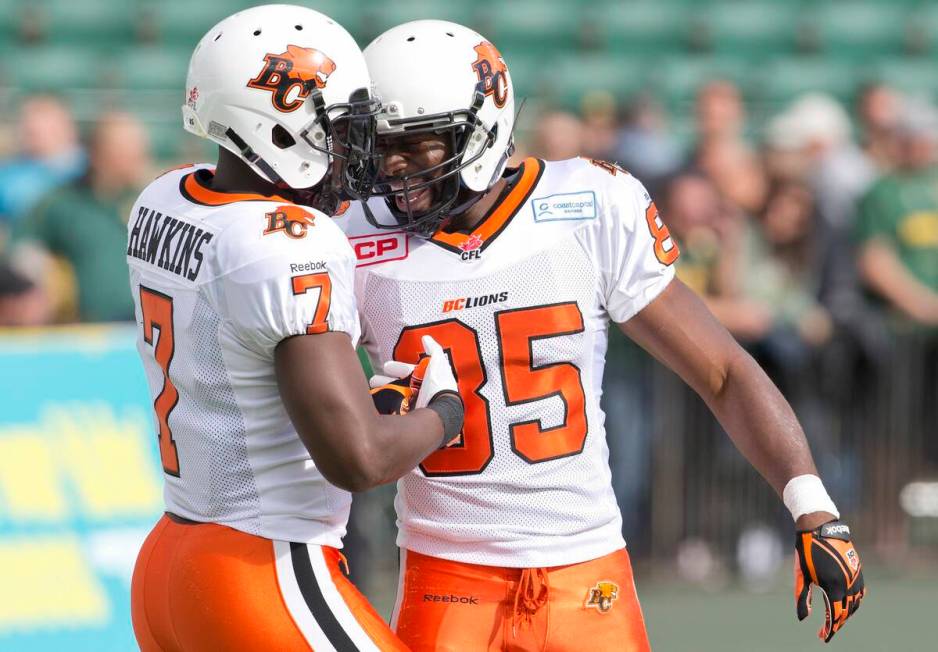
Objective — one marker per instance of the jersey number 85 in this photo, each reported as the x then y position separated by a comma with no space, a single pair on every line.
522,382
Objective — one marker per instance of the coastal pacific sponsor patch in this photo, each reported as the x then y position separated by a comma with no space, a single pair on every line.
565,206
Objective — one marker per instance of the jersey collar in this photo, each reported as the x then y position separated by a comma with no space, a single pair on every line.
194,187
498,216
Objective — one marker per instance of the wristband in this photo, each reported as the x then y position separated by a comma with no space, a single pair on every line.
805,494
449,408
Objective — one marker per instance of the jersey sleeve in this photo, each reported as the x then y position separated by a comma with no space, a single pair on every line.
302,287
632,247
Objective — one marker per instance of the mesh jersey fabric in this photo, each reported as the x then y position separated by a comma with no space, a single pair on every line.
220,284
576,250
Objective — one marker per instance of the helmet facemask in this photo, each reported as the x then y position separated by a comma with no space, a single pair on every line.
444,178
345,132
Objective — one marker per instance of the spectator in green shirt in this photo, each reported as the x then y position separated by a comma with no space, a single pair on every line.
897,225
84,222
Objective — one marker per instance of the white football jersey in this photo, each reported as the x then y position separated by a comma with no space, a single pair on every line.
219,279
522,304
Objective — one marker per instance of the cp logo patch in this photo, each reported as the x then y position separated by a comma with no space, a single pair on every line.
292,75
602,596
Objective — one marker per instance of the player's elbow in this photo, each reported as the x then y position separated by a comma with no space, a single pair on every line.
731,369
357,468
356,480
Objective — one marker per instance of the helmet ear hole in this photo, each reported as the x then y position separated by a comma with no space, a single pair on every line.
281,137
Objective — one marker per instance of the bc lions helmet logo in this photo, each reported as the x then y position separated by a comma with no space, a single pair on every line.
292,75
292,221
492,73
602,596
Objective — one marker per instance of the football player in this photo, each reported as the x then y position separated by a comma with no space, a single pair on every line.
247,330
511,537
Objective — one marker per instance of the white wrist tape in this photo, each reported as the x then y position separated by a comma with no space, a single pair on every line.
805,494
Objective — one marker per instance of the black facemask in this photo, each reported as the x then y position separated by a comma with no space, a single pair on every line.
347,137
350,143
451,194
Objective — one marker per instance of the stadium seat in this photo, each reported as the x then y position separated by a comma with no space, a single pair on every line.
677,80
92,23
916,77
647,27
182,22
751,29
783,79
527,69
166,139
153,68
535,25
923,31
54,69
567,78
12,11
863,30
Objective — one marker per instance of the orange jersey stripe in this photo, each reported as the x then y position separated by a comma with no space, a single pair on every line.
194,190
499,216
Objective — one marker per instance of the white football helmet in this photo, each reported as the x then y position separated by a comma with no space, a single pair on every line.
436,76
279,85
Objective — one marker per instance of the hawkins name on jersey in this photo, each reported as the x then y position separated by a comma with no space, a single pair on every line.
218,281
522,303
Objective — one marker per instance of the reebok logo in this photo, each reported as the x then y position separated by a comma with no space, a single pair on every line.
838,530
308,266
451,599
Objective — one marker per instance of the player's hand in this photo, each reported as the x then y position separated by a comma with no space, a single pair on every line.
405,386
826,557
391,395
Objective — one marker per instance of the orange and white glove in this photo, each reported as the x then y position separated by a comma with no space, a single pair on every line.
430,384
826,557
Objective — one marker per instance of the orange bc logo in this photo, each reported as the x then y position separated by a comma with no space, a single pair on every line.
492,72
292,221
611,168
292,75
602,596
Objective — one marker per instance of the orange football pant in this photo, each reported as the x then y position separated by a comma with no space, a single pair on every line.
202,586
447,606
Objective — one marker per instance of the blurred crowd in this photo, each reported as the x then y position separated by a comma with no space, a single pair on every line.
64,202
813,226
796,231
812,236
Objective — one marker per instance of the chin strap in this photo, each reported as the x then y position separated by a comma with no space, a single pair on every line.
253,157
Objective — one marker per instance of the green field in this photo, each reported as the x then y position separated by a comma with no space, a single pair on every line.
899,614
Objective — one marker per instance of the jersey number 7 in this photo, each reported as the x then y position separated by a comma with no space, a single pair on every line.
522,382
157,312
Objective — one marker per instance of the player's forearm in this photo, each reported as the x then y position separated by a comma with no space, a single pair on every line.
368,452
760,422
679,331
400,443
